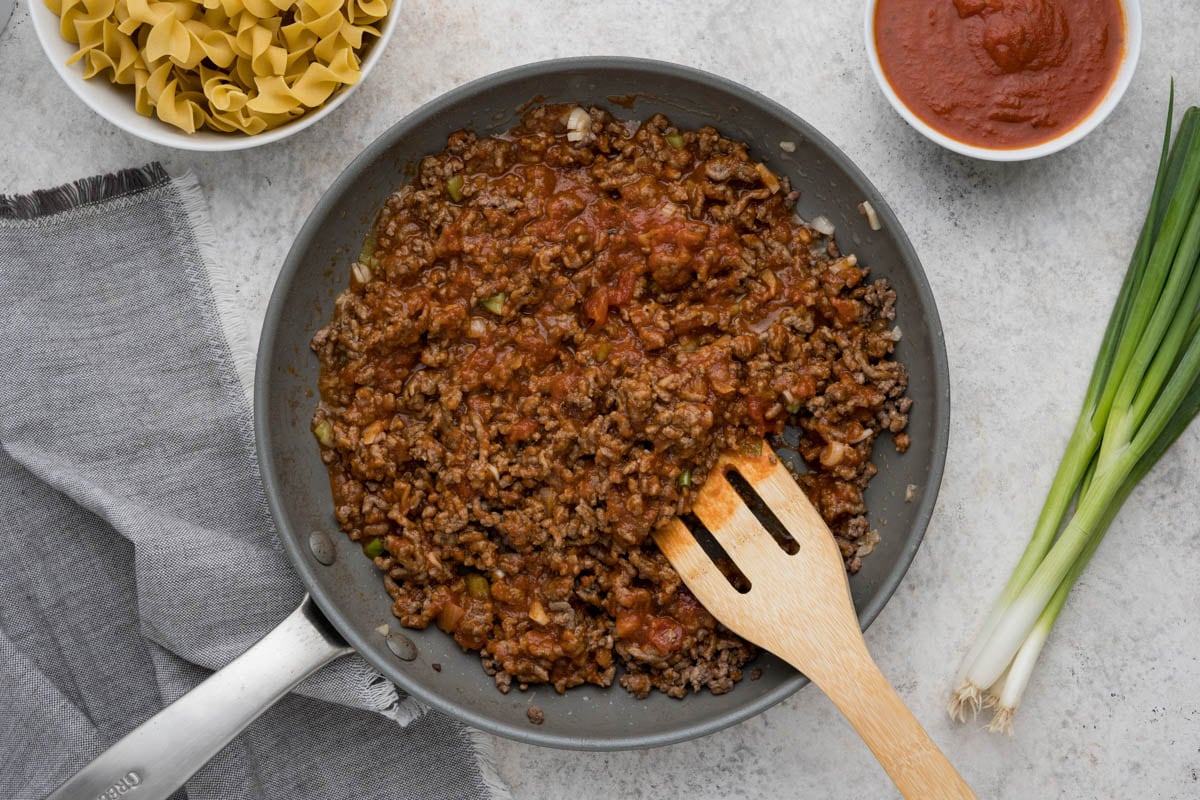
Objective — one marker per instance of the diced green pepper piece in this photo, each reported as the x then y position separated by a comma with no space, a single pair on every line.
478,587
367,253
324,433
495,303
675,140
454,185
373,548
685,479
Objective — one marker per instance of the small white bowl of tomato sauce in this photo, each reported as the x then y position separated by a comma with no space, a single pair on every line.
1003,80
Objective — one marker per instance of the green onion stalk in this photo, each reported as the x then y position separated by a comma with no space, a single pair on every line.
1144,391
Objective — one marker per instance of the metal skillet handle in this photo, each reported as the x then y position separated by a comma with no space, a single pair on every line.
163,752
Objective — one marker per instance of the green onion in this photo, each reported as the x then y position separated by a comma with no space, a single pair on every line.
494,303
454,185
323,430
675,140
685,479
373,548
1143,393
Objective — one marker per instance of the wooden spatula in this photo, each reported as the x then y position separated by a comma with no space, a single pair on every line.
799,608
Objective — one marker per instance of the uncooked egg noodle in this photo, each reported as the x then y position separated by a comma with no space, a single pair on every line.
229,65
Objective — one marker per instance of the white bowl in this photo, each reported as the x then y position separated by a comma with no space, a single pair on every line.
115,103
1129,59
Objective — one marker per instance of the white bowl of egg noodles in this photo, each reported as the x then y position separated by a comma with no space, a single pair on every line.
241,74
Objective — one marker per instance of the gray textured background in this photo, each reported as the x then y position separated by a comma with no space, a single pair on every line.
1024,261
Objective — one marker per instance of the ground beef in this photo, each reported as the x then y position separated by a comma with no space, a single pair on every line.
546,342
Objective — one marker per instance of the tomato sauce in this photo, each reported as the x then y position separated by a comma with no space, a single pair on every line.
1000,73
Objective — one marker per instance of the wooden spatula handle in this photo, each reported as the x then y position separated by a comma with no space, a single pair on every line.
915,764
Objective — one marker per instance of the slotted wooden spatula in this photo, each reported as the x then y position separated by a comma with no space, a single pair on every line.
799,608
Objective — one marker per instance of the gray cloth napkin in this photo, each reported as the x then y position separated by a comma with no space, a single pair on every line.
138,552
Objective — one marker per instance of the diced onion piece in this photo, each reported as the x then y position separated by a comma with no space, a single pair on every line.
768,178
579,122
867,544
578,119
867,433
833,453
383,629
872,217
822,225
450,616
538,614
787,147
361,273
372,433
477,328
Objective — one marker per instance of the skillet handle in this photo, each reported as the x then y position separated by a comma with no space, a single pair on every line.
159,755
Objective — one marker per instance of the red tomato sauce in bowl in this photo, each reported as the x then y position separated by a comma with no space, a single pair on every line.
1001,74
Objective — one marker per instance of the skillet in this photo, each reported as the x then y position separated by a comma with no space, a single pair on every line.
347,604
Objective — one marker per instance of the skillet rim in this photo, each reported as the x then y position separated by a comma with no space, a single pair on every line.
274,319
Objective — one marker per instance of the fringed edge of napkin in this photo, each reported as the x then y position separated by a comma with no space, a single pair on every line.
224,293
81,193
484,747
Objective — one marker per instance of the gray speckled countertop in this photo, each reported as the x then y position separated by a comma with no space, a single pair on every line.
1024,259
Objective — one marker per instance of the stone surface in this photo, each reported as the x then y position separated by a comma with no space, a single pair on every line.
1024,260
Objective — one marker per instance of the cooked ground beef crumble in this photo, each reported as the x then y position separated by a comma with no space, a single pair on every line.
547,341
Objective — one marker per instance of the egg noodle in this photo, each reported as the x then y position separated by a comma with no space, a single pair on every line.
228,65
